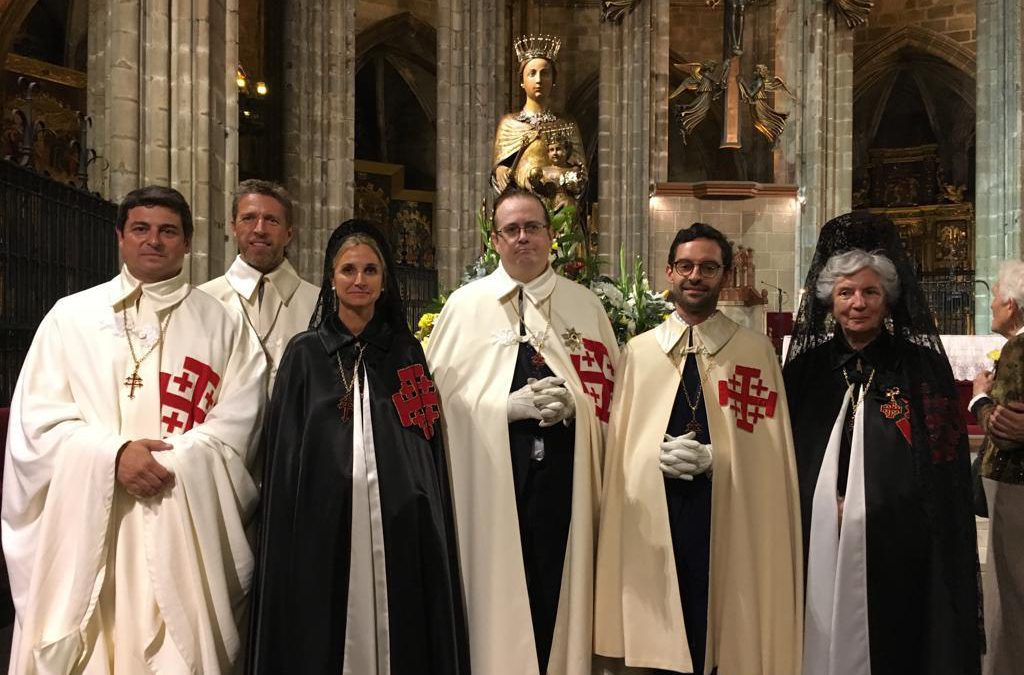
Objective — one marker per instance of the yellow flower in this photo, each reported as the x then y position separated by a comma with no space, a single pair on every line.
427,320
554,245
994,354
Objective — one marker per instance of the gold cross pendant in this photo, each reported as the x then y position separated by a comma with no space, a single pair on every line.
345,406
133,382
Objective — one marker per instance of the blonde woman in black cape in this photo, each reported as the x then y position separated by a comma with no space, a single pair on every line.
358,570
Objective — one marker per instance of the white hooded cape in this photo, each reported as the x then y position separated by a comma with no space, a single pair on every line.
68,526
472,354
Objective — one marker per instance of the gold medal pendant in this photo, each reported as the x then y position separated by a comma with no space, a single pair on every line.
891,409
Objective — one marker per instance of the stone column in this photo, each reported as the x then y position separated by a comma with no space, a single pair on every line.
814,54
319,124
473,65
632,128
164,107
998,184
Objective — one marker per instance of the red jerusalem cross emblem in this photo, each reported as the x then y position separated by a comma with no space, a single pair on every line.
747,397
187,397
416,400
597,375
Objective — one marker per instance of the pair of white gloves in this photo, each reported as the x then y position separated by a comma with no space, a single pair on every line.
546,399
682,457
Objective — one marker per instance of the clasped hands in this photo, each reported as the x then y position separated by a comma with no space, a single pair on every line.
546,400
139,473
683,457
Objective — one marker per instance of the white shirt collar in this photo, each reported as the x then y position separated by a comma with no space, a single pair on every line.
537,290
161,294
1020,331
713,333
244,279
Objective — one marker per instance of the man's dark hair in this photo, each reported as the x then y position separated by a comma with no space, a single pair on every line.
702,231
257,186
513,191
156,195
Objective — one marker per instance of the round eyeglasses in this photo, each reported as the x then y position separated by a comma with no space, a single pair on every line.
511,232
708,270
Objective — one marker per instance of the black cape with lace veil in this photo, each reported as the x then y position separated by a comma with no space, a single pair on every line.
922,570
301,586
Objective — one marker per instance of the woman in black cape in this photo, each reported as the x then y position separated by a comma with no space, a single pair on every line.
889,531
357,567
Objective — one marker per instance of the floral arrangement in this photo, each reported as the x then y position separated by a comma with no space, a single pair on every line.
631,305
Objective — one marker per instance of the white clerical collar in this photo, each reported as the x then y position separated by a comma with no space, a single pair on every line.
537,289
712,333
162,294
244,279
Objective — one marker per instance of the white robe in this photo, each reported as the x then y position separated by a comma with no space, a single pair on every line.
288,304
103,582
472,354
755,603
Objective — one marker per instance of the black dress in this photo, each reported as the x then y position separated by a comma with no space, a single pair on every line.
301,587
921,559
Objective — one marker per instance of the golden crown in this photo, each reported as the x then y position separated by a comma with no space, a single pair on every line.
537,47
557,132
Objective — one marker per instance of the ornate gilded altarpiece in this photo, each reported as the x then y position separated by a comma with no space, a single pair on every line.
935,222
407,219
57,98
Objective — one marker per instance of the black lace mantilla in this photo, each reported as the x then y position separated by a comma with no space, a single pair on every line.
389,305
911,316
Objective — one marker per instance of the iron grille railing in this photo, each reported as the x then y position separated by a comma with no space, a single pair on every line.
55,239
419,289
951,297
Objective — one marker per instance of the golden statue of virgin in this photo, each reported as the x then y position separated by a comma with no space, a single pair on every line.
521,153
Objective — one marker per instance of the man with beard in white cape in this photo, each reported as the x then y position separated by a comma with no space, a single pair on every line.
126,485
524,362
699,560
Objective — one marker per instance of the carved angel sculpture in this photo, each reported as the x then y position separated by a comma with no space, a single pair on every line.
767,120
707,86
615,10
854,12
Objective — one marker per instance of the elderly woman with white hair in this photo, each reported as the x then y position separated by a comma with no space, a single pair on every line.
999,406
882,463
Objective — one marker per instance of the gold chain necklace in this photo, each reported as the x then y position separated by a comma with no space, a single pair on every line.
849,385
345,402
693,425
133,381
536,340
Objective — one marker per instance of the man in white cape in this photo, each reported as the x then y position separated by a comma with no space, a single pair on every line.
126,485
524,362
275,301
699,551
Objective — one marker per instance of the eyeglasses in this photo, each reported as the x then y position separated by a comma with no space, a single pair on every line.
708,270
511,232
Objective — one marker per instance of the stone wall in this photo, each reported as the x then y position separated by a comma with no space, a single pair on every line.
164,106
369,12
767,224
955,19
580,56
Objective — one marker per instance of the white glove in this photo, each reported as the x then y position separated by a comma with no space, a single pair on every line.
521,406
546,400
683,457
553,397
